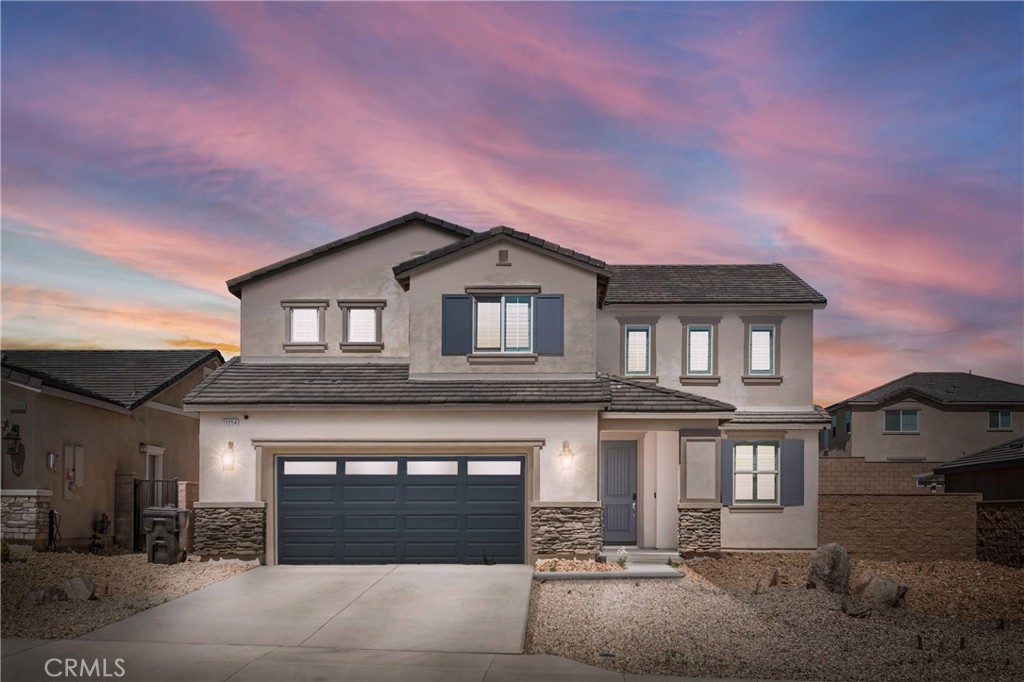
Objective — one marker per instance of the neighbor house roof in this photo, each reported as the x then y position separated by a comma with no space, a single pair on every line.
235,284
688,284
125,378
947,388
999,456
403,268
238,383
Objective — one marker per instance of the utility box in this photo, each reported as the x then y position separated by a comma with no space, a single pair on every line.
165,527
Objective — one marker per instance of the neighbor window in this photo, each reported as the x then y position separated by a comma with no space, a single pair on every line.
638,349
362,325
849,421
999,420
834,419
762,349
698,349
756,473
901,421
504,324
304,324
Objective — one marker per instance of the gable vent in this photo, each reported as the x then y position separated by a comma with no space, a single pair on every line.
503,257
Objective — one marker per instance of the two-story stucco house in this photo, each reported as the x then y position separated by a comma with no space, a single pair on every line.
420,392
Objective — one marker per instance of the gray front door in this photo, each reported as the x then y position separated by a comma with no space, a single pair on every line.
618,491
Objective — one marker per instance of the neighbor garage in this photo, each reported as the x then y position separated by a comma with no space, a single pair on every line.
428,509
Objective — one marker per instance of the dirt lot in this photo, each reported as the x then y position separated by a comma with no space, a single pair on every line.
125,585
712,623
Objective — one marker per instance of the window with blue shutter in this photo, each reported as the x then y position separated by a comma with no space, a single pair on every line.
725,474
549,324
791,474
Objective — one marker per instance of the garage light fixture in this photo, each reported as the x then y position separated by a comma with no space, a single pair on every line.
227,458
566,456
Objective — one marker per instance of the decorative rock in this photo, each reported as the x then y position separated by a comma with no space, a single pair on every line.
43,595
830,569
79,588
885,593
699,530
566,530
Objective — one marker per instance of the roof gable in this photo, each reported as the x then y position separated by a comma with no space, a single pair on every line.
946,388
125,378
235,285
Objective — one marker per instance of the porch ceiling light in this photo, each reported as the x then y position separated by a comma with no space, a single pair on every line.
566,456
227,458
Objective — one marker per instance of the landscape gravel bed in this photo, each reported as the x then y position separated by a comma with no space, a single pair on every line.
575,565
125,585
694,627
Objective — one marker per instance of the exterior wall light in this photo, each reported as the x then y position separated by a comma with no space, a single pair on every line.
12,438
227,458
566,456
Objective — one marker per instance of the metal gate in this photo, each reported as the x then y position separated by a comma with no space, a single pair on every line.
151,493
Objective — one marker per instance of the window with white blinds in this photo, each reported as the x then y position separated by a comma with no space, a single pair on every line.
504,324
638,349
305,325
762,349
699,349
756,473
362,325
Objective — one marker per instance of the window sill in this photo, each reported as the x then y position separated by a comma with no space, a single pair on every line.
642,378
759,380
502,359
1010,430
305,347
901,433
753,508
698,380
361,347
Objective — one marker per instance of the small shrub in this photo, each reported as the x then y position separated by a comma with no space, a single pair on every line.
622,558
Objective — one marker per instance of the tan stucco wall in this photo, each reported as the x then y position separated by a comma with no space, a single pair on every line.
528,267
796,338
552,426
944,434
360,272
111,442
781,528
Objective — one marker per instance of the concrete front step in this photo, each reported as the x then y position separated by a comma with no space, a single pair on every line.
641,556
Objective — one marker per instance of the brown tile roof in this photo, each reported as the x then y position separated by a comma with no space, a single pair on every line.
1010,453
947,388
126,378
235,284
685,284
805,417
636,396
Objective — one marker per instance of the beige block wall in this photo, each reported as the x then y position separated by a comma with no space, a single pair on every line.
363,271
901,527
944,434
796,345
528,268
855,475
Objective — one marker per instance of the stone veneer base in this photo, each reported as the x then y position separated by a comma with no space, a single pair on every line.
561,529
700,529
25,515
230,530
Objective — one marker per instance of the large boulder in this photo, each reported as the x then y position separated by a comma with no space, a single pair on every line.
43,595
830,569
79,588
884,593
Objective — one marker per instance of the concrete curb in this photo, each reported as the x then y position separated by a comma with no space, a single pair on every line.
632,571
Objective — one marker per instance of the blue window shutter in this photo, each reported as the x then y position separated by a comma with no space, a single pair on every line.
791,474
549,324
726,473
456,324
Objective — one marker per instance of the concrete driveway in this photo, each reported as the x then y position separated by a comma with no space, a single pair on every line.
461,609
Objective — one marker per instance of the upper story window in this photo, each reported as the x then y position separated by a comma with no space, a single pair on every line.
638,349
362,326
849,421
999,420
700,350
503,324
901,421
304,325
756,471
761,363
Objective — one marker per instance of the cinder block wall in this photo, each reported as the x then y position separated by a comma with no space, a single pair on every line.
901,527
854,476
1001,532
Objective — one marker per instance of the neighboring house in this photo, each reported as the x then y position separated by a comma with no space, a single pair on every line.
996,472
73,419
420,392
927,417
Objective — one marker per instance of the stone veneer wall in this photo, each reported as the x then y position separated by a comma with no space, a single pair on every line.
901,527
25,515
229,531
1001,532
565,529
700,529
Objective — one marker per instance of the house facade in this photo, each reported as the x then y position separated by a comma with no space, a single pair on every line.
74,420
420,392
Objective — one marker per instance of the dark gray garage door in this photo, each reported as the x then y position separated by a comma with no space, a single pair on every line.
367,510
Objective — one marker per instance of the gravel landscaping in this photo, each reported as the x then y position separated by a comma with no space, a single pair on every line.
125,584
574,565
713,623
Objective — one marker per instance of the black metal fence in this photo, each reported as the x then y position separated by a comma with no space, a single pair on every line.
151,493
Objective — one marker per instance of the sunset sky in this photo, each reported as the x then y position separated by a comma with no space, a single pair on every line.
152,151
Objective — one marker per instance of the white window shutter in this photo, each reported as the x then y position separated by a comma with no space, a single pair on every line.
637,351
488,325
700,351
305,325
362,325
517,324
761,350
